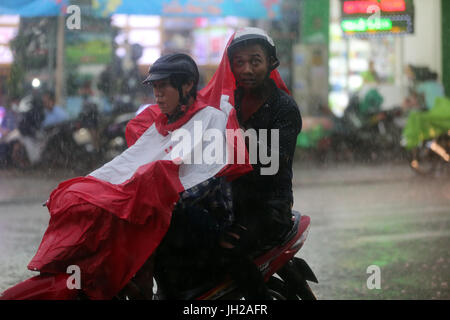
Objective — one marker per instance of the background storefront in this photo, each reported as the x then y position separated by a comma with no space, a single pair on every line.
321,65
377,59
202,38
131,35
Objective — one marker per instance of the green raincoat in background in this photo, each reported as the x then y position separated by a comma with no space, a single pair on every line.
425,125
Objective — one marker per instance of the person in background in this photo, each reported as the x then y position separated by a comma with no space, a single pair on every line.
8,122
89,115
424,88
54,114
371,75
430,89
8,118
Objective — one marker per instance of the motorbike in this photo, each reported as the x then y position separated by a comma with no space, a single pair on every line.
50,147
69,144
286,276
110,130
432,157
31,145
375,135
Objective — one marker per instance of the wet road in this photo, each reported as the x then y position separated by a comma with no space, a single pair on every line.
376,215
362,215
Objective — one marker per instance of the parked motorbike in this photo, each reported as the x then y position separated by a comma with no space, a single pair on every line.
69,144
292,281
375,135
109,128
30,145
52,147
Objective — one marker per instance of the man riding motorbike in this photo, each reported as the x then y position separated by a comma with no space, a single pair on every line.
262,203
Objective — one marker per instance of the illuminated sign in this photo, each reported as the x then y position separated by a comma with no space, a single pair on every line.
363,25
355,7
377,17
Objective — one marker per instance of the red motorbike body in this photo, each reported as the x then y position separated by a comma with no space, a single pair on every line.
274,259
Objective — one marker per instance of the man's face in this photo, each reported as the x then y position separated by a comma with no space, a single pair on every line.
167,97
250,66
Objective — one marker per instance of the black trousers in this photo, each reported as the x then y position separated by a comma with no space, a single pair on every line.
265,223
196,232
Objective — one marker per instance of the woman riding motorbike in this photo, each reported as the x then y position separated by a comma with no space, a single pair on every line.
110,222
203,211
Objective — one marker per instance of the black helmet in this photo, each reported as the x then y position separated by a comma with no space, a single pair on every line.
175,63
253,35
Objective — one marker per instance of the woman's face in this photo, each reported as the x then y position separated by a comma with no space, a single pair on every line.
167,97
250,66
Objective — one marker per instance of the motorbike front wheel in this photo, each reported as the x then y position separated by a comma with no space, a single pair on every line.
424,161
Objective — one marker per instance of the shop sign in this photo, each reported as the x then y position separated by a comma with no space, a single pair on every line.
255,9
377,17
